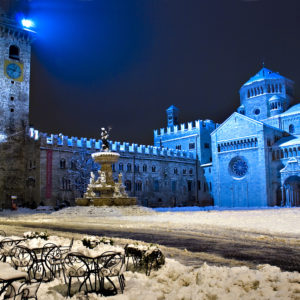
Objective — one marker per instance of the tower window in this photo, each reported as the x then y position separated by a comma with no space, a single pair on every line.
14,52
191,146
12,110
12,98
291,128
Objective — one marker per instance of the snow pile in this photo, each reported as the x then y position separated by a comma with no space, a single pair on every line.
175,282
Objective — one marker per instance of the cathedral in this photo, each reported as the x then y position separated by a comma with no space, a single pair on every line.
250,160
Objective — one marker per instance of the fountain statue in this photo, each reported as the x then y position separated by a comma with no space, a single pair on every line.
104,190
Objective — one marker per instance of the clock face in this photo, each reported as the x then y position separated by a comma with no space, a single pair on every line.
13,71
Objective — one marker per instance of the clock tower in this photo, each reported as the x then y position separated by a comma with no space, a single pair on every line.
15,52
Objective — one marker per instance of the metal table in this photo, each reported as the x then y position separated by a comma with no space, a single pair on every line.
8,275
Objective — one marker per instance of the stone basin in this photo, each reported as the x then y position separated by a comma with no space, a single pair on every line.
105,157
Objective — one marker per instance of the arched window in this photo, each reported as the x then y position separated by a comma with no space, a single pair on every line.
62,163
268,89
248,94
191,171
153,169
128,167
184,171
121,167
291,128
136,168
175,171
73,165
14,52
138,186
128,185
144,168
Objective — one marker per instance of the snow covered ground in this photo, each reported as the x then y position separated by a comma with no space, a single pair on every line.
266,221
174,280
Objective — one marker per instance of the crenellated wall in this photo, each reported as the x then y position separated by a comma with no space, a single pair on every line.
95,145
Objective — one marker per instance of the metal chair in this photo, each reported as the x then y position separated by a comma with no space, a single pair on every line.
111,264
76,265
6,245
22,258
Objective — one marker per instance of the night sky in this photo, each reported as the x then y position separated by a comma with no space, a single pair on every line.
123,62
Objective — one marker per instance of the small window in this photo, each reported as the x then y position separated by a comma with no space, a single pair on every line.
175,171
128,167
121,167
291,128
209,170
156,186
191,146
73,165
178,147
113,167
62,163
144,168
12,110
206,145
174,186
128,185
136,168
153,169
199,185
14,52
191,171
184,171
12,98
189,185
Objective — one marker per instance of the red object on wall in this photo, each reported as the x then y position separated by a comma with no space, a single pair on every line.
49,174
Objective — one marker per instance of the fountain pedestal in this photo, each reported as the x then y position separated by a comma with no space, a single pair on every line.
104,190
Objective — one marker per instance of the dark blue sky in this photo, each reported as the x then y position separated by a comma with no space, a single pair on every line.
123,62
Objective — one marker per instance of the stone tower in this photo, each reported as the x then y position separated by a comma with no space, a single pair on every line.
15,51
265,95
172,115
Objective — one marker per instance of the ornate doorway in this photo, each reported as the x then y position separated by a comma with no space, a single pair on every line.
291,191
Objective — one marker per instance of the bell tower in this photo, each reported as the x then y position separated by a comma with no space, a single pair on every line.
15,52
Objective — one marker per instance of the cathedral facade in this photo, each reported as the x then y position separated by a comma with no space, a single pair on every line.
250,160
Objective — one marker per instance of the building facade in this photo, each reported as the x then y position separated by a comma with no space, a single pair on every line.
250,160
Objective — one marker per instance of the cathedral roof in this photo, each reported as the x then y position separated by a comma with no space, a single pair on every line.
276,98
292,110
263,74
288,141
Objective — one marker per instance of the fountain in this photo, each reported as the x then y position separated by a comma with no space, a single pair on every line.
104,190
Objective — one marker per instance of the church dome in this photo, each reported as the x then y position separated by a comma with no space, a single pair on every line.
263,74
276,98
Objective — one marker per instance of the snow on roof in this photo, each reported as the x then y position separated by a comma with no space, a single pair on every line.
292,110
263,74
288,141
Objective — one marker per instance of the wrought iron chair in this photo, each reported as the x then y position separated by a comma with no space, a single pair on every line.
6,246
22,258
76,265
22,290
135,255
50,261
65,249
111,264
153,260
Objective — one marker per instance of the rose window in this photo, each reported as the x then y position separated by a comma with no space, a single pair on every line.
238,167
